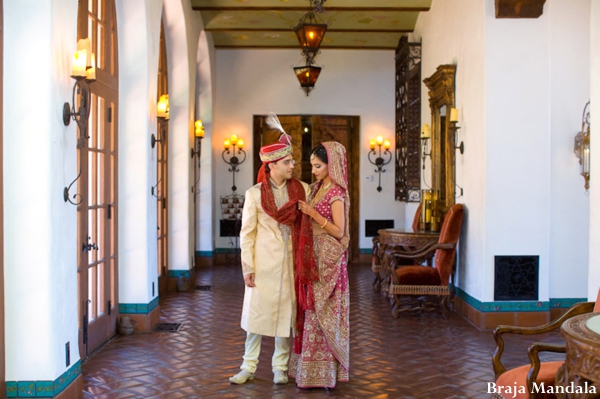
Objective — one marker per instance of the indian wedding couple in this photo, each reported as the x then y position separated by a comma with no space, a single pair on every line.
294,250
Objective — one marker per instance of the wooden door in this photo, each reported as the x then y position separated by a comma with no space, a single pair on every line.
160,190
97,261
97,264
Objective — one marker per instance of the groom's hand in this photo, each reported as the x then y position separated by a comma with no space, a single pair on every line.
249,280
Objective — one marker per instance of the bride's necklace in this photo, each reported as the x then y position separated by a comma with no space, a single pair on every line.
320,193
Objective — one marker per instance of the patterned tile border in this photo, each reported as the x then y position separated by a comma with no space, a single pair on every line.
138,308
503,306
204,254
517,306
42,389
179,273
565,303
365,251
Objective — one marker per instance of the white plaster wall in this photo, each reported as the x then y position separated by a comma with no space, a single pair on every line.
569,91
593,281
453,32
517,208
39,161
205,81
138,27
182,30
251,82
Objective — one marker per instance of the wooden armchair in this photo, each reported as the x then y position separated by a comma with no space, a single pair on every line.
535,371
413,286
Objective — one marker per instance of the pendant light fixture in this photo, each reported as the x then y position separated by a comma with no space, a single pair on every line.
307,76
310,32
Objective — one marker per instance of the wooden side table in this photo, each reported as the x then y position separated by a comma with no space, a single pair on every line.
391,239
580,374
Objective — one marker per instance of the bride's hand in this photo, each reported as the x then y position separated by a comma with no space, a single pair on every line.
305,208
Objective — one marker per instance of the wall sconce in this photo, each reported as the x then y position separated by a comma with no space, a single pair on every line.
582,146
197,150
162,113
454,121
83,70
379,161
234,161
425,136
198,136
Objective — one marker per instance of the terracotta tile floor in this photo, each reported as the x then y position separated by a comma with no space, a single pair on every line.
415,356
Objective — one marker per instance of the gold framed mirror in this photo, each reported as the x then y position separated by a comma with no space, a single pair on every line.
441,101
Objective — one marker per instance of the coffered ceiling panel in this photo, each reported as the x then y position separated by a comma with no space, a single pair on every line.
356,24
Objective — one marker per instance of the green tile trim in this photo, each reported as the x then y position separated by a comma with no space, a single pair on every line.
138,308
565,303
227,250
179,273
365,251
11,389
26,389
43,389
503,306
206,254
67,378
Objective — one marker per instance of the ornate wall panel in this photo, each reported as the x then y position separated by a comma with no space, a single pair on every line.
408,121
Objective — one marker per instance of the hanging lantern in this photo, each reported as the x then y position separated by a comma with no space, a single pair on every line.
310,33
307,76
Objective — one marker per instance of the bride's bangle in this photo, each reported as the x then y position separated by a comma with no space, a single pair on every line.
325,224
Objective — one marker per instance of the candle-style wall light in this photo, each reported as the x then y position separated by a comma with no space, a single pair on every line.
582,146
234,161
379,161
454,121
198,136
162,113
197,150
83,70
425,136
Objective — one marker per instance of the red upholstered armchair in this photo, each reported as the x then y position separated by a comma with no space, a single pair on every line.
535,371
421,287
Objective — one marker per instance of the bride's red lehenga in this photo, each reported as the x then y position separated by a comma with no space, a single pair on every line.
325,356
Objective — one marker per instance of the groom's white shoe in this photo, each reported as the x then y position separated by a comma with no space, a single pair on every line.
242,377
280,377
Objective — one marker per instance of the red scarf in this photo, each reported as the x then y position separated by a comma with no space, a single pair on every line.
302,246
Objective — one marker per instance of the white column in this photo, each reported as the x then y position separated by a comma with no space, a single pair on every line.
594,266
138,27
39,161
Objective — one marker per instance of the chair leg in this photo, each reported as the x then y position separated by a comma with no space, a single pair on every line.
445,305
395,302
395,312
377,283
